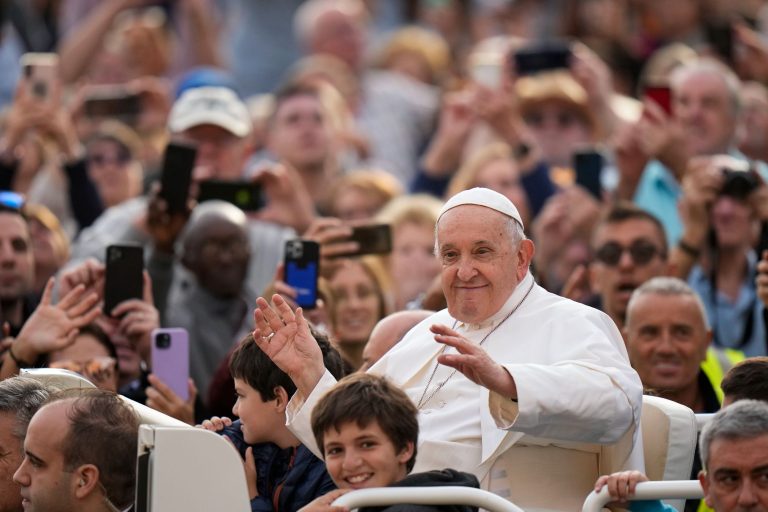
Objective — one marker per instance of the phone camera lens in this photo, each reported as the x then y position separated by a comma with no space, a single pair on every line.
163,340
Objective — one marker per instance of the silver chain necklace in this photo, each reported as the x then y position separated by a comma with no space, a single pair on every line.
424,401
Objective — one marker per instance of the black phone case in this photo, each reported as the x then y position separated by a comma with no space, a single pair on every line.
246,195
123,279
178,163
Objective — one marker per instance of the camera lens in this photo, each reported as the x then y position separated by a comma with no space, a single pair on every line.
163,340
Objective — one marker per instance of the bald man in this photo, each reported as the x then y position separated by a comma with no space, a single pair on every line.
388,332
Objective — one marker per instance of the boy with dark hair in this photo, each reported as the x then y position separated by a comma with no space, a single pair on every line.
748,379
368,429
282,474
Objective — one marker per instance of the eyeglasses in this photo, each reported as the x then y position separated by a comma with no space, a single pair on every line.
640,251
98,368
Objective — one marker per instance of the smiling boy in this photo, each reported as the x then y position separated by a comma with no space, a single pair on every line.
282,474
367,429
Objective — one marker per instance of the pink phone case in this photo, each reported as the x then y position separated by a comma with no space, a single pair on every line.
170,359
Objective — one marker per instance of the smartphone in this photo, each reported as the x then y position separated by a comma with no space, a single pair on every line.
170,359
588,166
176,175
371,239
302,268
720,37
123,279
543,56
41,74
246,195
662,96
113,102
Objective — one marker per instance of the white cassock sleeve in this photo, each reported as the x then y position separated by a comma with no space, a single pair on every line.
588,392
298,414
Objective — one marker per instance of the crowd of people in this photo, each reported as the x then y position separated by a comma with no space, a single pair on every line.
577,198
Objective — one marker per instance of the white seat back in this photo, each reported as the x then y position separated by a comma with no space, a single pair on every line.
669,441
188,469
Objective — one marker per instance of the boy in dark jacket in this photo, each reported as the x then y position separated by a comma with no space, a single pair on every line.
282,474
367,430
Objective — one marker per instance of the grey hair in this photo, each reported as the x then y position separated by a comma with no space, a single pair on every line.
667,286
22,396
514,230
708,66
745,419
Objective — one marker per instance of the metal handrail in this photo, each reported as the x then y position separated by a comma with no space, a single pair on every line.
445,495
657,490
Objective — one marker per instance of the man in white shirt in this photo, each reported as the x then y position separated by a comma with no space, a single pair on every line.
507,359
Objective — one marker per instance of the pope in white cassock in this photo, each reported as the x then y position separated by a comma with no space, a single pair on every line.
507,363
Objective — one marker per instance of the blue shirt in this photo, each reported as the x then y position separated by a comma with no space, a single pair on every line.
730,319
659,191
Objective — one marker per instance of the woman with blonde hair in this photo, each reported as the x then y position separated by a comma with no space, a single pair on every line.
494,167
412,263
360,288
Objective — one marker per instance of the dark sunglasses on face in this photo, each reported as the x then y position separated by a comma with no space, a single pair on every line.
640,251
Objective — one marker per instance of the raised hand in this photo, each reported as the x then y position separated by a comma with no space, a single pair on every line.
215,424
162,398
89,273
474,362
53,327
288,200
285,337
138,318
332,235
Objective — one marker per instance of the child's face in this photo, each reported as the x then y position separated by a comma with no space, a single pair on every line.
256,415
359,458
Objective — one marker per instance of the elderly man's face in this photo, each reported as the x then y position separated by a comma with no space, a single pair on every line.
10,459
666,340
480,264
220,254
737,476
45,483
704,108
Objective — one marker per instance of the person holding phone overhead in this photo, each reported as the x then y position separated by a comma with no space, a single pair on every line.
506,358
209,295
216,121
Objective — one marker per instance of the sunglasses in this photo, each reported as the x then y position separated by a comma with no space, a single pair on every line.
98,368
640,251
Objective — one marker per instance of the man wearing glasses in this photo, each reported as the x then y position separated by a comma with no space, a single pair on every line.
629,248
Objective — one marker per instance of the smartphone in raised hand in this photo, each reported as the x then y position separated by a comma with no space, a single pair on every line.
176,175
170,359
40,72
123,277
302,268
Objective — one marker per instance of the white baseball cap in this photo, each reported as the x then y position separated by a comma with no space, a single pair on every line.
218,106
483,197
